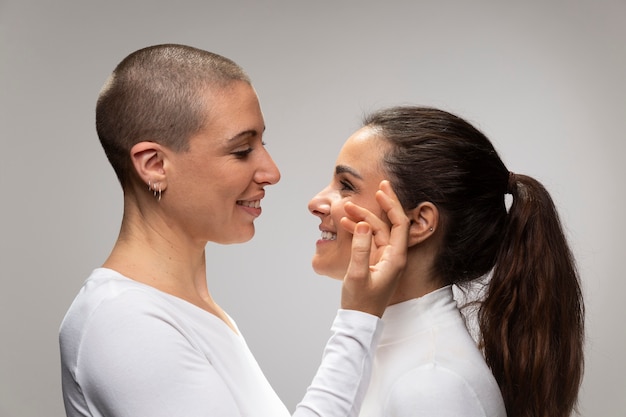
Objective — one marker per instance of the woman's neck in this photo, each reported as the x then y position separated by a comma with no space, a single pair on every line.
418,278
155,256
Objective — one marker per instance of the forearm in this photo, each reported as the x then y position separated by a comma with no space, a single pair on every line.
342,379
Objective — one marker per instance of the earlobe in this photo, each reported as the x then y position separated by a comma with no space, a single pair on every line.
424,221
148,160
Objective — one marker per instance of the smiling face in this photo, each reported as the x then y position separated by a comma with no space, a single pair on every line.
358,173
216,187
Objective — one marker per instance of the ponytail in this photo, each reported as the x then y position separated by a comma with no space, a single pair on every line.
532,320
532,315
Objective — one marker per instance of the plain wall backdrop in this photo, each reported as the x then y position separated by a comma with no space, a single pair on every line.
545,80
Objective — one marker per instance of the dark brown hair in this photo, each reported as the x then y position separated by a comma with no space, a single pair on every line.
157,94
532,317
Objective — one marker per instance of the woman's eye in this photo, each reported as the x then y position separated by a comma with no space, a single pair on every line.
242,154
245,152
346,186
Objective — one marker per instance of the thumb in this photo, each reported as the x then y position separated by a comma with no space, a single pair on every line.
359,267
354,292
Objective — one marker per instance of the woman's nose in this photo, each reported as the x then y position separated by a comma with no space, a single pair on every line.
268,172
320,204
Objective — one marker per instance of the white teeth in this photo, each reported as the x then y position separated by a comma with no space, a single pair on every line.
253,204
328,236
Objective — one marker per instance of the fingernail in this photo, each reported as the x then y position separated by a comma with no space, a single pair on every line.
362,228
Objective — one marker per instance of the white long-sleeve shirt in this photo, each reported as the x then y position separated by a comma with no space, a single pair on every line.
130,350
427,364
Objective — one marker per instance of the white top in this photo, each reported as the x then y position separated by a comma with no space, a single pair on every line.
427,364
130,350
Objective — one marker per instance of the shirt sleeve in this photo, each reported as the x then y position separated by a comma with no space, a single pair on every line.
432,390
133,362
341,381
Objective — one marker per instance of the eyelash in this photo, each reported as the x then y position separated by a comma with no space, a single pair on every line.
243,154
346,186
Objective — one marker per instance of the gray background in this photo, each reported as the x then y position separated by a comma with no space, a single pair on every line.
544,79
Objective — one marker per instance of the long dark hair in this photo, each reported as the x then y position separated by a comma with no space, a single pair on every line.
532,317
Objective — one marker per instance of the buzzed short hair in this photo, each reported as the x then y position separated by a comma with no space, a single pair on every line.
157,94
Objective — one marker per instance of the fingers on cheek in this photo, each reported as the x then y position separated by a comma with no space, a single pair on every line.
351,210
386,202
357,212
348,224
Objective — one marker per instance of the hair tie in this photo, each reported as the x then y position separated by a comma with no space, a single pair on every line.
511,186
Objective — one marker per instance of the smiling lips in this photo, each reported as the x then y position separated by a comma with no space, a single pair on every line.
256,204
251,204
253,207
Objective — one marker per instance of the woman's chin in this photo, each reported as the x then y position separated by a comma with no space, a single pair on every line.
235,239
323,269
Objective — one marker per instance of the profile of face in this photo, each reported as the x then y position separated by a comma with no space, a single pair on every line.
357,176
217,185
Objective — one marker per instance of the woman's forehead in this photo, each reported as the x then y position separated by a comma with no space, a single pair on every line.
362,153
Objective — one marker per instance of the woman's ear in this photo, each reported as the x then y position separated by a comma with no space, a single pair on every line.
148,160
424,221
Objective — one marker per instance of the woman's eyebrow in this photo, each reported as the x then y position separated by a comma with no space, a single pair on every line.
340,169
246,133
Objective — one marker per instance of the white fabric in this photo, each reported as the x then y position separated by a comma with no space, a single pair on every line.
130,350
427,364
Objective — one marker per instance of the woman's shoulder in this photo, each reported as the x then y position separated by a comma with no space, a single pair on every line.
111,302
445,390
106,288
